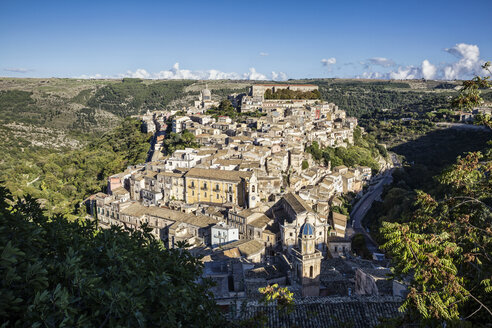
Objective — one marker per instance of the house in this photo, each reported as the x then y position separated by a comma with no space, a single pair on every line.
222,233
339,246
221,186
252,250
339,224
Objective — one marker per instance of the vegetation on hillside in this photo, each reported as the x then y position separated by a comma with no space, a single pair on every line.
365,151
59,273
360,98
16,105
291,94
62,180
444,244
132,96
175,141
225,108
438,231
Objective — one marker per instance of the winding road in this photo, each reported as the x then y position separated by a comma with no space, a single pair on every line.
364,204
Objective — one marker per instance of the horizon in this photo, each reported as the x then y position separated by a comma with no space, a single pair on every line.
274,41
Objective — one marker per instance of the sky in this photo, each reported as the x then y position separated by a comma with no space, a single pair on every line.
261,40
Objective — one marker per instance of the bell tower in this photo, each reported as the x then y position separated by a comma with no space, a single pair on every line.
307,261
252,186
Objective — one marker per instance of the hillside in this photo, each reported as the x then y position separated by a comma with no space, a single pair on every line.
57,119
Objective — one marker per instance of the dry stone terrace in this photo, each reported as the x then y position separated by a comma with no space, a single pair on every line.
245,205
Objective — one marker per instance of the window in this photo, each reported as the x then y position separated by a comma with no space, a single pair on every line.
217,196
320,233
192,193
311,271
205,185
291,234
205,194
252,188
192,184
230,198
336,249
217,186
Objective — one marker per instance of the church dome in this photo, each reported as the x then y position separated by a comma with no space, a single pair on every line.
307,230
206,94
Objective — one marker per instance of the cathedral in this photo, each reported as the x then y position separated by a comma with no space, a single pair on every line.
205,101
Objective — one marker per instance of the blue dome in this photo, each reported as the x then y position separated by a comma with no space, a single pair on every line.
307,230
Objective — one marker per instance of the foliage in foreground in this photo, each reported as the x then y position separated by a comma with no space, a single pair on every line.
58,273
445,247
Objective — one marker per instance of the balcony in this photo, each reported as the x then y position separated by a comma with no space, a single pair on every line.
191,187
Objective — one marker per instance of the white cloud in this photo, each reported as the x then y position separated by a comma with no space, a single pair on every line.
140,73
468,64
329,61
94,76
280,76
380,61
176,73
253,75
428,70
264,54
372,75
406,73
17,69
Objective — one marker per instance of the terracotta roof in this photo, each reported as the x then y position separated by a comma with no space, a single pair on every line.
329,312
260,222
339,219
170,174
222,175
138,210
120,191
264,272
246,247
297,204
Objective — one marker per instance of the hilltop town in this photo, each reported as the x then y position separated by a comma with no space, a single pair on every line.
251,202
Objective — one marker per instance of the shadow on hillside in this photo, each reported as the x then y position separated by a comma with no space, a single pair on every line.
438,149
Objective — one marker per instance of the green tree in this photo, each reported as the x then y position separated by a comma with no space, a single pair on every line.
446,246
60,273
469,96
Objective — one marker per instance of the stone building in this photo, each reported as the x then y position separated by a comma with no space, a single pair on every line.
221,186
292,212
205,101
222,233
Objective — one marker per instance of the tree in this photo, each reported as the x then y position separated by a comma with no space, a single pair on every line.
58,273
469,96
443,248
446,246
305,164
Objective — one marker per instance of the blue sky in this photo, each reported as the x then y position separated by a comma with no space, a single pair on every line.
245,39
